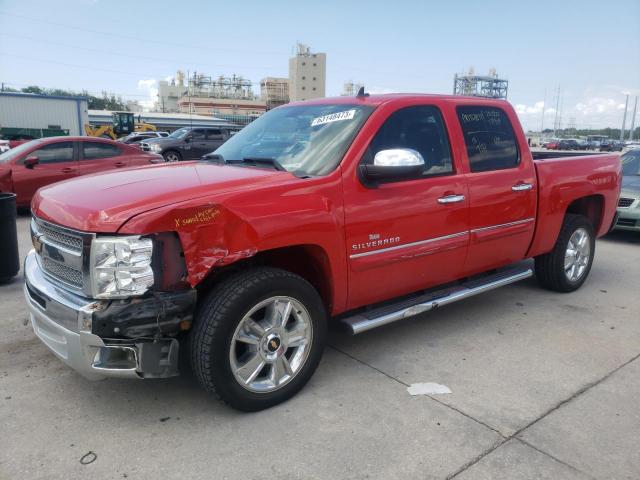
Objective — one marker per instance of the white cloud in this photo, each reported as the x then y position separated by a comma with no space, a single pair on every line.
149,87
536,108
598,105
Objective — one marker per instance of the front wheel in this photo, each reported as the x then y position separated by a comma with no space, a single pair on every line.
567,266
258,338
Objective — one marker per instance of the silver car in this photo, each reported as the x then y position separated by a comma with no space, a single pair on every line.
629,202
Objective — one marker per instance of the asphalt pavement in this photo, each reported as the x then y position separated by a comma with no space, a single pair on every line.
544,385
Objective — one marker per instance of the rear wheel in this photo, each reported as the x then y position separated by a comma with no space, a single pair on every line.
258,338
567,266
171,156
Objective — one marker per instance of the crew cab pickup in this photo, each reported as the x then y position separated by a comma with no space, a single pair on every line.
359,211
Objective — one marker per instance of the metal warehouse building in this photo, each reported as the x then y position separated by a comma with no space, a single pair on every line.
30,111
162,121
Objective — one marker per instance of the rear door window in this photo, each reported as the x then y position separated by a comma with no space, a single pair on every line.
54,153
95,150
489,138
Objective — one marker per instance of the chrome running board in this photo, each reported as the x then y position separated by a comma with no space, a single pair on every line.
384,315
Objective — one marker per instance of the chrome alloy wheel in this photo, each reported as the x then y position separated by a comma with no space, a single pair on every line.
576,257
271,344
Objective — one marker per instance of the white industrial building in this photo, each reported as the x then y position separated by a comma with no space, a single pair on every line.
307,74
41,112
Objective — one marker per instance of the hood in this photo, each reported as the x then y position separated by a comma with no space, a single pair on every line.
102,203
631,183
158,140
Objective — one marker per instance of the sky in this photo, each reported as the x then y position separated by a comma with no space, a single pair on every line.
588,49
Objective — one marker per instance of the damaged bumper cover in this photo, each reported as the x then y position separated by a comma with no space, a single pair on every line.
127,338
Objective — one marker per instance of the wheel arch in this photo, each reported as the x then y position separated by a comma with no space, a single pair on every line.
550,220
590,206
310,261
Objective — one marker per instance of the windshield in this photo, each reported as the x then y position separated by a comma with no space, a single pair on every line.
630,163
17,151
181,132
305,139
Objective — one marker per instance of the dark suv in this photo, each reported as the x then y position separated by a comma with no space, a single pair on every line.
568,145
190,143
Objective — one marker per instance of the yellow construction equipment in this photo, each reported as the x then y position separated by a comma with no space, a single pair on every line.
122,123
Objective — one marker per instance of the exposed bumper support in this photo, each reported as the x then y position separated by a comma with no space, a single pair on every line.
63,321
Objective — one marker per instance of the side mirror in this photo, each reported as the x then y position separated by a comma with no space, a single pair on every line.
393,164
31,162
187,140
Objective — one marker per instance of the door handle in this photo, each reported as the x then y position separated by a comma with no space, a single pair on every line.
121,164
68,170
451,199
522,187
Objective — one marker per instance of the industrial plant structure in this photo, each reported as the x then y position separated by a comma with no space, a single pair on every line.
232,98
274,91
490,86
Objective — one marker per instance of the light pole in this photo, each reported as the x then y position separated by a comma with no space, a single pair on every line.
633,119
624,118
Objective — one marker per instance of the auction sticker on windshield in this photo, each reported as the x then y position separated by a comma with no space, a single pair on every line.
333,117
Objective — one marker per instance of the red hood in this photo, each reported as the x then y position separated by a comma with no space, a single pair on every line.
104,202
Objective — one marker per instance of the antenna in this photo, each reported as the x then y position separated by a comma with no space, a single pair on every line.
361,93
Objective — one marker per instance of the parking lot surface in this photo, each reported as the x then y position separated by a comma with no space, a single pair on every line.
544,385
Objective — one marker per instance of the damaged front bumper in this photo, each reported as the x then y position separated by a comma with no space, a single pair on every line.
132,338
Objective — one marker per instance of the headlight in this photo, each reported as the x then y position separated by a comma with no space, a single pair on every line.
154,147
121,266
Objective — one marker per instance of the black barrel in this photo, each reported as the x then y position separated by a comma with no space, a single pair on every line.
9,256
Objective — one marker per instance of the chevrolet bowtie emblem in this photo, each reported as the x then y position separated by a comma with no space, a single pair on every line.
37,243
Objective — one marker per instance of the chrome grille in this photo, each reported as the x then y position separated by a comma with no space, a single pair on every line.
625,202
61,253
68,275
59,237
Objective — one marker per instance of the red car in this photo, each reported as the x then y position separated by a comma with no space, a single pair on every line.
37,163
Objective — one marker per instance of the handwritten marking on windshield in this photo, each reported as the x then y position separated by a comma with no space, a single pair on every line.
333,117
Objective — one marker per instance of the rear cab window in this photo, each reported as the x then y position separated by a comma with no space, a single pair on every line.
489,138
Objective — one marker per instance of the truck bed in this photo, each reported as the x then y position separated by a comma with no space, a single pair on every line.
593,178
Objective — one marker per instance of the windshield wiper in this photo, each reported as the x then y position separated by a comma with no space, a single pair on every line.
264,160
213,157
257,161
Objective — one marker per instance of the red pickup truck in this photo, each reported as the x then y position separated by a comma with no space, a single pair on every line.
360,211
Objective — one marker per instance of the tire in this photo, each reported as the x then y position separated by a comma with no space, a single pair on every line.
220,358
171,156
551,268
